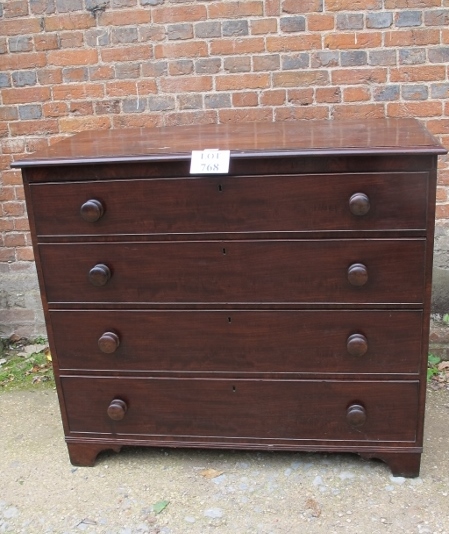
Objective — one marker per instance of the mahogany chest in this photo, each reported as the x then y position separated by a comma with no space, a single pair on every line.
283,305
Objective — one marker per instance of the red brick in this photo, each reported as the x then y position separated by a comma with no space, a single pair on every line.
181,49
14,208
250,45
47,41
342,41
437,127
127,53
302,97
37,127
7,193
414,109
101,72
263,26
441,194
229,10
358,111
272,7
71,39
300,78
316,23
328,94
78,124
7,254
274,97
50,76
21,224
146,87
245,99
6,225
188,84
15,8
121,88
78,91
190,117
12,177
26,60
233,82
356,94
245,115
165,15
414,37
301,6
26,95
25,254
138,120
72,57
15,240
301,113
131,16
359,75
20,26
12,146
421,73
292,43
70,21
408,4
353,5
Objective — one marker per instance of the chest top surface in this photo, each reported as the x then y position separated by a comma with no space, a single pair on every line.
244,140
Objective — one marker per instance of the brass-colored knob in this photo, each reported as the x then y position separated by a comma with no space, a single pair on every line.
357,345
117,409
357,274
356,415
92,210
99,275
359,204
109,342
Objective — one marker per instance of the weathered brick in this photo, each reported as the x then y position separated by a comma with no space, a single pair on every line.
269,62
78,124
187,84
25,95
5,79
414,109
49,76
439,55
208,66
163,15
19,27
41,7
126,53
272,7
249,45
161,103
179,31
125,71
384,94
30,111
353,40
123,3
64,6
358,111
408,18
350,21
154,68
237,64
218,100
78,91
134,105
22,43
101,72
35,127
107,107
97,37
96,6
421,73
293,24
328,94
180,67
273,97
8,113
71,39
55,109
234,28
25,60
206,30
414,37
295,61
316,112
415,92
382,57
245,115
75,74
318,23
71,21
46,42
439,17
440,90
353,5
356,94
379,20
292,43
325,59
263,26
190,101
178,50
359,76
353,58
124,35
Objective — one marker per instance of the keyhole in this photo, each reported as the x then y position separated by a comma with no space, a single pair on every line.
233,389
224,251
229,320
220,188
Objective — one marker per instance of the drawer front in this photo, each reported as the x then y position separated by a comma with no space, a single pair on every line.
243,409
235,341
226,272
232,204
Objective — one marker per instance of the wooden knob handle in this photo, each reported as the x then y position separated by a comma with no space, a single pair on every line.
92,210
358,274
356,415
99,275
117,409
359,204
357,345
109,342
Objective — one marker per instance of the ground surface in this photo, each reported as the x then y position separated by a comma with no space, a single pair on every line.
199,492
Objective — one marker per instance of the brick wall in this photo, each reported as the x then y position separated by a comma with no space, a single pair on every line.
70,65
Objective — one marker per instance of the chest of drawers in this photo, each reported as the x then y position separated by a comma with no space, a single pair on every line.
281,306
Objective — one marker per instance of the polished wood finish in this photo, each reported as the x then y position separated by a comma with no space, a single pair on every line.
283,306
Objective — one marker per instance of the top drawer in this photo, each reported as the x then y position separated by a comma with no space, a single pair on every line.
232,204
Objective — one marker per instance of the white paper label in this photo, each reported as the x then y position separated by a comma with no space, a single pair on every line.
210,161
